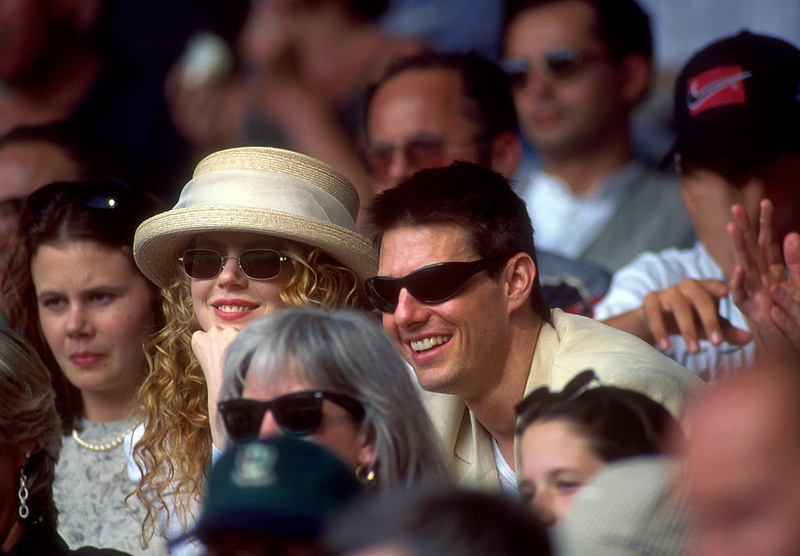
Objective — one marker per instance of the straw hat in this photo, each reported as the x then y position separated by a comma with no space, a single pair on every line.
263,190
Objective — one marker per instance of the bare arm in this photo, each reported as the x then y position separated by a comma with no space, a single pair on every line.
689,309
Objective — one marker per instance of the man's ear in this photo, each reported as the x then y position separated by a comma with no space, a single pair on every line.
520,274
506,153
637,75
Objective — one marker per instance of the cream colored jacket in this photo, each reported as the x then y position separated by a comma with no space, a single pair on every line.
572,344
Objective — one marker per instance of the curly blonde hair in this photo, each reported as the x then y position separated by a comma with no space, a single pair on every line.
174,451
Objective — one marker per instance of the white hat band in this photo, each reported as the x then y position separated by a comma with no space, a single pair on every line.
265,189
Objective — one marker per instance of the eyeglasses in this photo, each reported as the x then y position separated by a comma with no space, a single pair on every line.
297,414
419,153
560,64
256,264
430,284
104,194
574,388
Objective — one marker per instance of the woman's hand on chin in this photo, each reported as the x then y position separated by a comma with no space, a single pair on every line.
210,347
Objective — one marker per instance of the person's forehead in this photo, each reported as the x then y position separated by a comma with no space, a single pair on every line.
27,165
409,247
571,23
430,94
563,440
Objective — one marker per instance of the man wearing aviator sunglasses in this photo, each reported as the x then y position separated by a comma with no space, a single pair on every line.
461,299
578,70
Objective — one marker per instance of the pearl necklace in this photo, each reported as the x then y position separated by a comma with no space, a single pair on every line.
100,447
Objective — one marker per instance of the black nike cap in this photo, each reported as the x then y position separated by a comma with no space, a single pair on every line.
738,99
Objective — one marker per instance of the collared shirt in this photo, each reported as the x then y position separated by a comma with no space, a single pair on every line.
507,476
566,223
635,210
570,345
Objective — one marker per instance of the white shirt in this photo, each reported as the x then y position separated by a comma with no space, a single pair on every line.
508,479
657,271
566,223
173,529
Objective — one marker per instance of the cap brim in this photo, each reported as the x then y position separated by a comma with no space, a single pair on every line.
735,139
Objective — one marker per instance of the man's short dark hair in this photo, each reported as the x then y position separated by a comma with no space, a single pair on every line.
622,25
92,156
478,200
429,522
487,99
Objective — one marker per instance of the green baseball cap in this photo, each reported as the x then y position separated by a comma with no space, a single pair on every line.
281,487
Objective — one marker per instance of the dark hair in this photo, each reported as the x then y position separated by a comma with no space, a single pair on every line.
479,201
67,212
433,523
617,422
367,11
92,157
622,25
485,90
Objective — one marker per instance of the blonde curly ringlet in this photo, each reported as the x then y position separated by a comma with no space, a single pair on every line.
311,210
174,400
322,214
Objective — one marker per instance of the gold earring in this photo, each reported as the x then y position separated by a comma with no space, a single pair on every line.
365,475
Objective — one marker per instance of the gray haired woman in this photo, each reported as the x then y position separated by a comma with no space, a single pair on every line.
336,378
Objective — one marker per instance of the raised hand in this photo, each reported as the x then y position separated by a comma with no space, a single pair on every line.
210,348
760,285
786,296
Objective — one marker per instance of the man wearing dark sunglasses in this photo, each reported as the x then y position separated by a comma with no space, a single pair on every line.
431,109
579,68
461,298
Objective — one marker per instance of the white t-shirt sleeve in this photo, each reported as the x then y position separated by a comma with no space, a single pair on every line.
630,284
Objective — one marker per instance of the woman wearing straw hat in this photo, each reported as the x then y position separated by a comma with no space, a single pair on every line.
255,230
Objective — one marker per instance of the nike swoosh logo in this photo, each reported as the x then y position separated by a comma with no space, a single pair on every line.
696,97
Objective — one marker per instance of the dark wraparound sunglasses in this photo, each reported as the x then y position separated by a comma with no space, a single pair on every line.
430,284
297,414
256,264
560,64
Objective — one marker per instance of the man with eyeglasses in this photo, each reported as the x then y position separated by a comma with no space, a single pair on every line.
431,109
579,68
461,298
